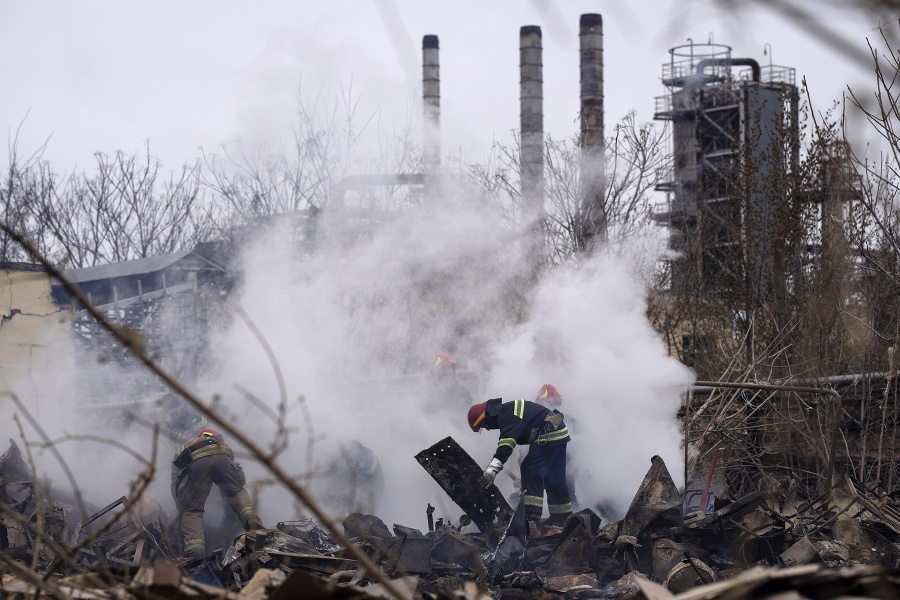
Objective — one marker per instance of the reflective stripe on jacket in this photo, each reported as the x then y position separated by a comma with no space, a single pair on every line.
201,446
524,422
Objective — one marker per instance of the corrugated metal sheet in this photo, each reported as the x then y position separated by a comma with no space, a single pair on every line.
123,269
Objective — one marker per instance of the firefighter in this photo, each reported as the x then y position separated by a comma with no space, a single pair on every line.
201,462
367,474
448,390
550,398
356,483
522,422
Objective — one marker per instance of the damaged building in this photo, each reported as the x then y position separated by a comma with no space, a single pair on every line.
170,301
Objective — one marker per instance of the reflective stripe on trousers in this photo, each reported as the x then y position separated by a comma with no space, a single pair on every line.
560,509
545,469
537,501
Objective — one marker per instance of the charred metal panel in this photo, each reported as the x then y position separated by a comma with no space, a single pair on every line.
656,506
509,553
459,549
313,563
457,473
412,554
573,552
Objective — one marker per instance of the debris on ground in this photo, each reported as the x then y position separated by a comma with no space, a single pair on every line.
844,545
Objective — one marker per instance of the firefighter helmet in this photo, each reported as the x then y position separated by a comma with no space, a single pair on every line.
549,396
441,361
477,413
208,432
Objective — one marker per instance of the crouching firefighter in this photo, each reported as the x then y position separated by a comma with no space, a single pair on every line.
525,422
201,462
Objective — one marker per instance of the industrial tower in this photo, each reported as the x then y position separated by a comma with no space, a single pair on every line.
735,147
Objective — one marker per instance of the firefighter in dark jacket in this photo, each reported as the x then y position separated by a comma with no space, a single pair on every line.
524,422
201,462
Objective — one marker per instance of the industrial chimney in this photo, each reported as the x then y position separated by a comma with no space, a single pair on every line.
593,175
431,101
531,115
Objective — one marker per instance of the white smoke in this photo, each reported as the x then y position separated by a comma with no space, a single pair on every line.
588,334
354,325
82,408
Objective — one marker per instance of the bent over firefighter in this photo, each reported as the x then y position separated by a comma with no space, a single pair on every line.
201,462
524,422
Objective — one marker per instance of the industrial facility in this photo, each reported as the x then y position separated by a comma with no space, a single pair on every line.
783,417
735,148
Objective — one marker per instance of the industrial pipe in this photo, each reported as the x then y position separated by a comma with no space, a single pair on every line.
728,62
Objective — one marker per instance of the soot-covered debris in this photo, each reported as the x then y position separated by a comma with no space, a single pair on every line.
846,544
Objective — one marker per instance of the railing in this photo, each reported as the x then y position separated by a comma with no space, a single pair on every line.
673,209
681,100
662,104
778,74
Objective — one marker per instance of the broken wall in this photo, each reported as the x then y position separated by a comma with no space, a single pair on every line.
35,337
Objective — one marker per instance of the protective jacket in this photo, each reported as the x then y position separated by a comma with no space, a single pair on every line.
198,447
524,422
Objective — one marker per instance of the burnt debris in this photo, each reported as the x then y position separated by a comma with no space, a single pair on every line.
846,544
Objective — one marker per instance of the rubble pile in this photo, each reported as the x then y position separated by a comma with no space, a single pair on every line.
52,530
845,544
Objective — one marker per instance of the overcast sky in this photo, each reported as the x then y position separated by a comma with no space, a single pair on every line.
105,75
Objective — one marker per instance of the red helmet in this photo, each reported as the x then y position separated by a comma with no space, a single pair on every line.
441,361
549,396
208,432
477,413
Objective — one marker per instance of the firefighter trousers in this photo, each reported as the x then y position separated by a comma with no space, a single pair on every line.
192,487
545,469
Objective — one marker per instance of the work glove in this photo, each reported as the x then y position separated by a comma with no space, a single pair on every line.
487,480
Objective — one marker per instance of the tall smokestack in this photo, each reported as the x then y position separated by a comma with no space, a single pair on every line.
431,102
531,115
593,144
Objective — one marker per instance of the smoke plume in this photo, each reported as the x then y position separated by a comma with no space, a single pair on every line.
354,325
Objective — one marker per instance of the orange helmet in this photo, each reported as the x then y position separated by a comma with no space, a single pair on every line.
441,361
477,413
207,432
549,396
